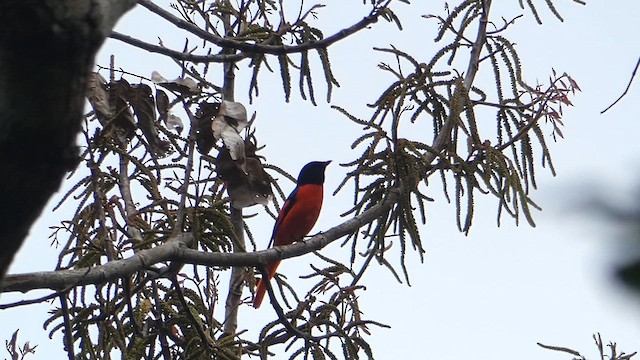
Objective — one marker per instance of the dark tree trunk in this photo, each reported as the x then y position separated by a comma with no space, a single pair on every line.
47,49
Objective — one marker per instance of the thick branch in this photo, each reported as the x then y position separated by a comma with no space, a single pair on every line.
444,136
176,250
179,55
262,48
236,281
481,37
62,279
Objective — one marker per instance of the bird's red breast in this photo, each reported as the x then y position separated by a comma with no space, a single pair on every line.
298,215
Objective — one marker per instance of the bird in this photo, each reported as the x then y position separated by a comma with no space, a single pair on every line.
296,218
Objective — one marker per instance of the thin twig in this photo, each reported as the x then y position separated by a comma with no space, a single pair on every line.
30,301
68,335
299,331
206,340
184,188
505,25
532,120
129,206
633,75
160,324
278,309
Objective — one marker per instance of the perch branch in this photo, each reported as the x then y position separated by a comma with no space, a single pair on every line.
176,249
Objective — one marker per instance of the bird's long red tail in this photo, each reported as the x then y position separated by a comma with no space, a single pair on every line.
262,284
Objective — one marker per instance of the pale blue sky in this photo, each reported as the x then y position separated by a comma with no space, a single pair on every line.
495,293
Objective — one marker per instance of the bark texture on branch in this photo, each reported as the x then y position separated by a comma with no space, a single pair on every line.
176,249
47,48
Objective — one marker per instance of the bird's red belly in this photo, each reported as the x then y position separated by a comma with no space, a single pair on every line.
301,218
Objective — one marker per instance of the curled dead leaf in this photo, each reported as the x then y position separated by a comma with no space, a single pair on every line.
202,121
123,122
141,100
113,104
227,125
236,114
98,97
175,123
171,121
162,104
185,86
246,186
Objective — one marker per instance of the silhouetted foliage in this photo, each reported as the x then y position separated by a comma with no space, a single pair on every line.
152,206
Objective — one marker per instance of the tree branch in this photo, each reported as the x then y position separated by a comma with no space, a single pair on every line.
67,331
481,38
112,270
626,90
236,280
444,135
262,48
176,249
179,55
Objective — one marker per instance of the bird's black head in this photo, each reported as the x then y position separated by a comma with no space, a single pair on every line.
313,173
